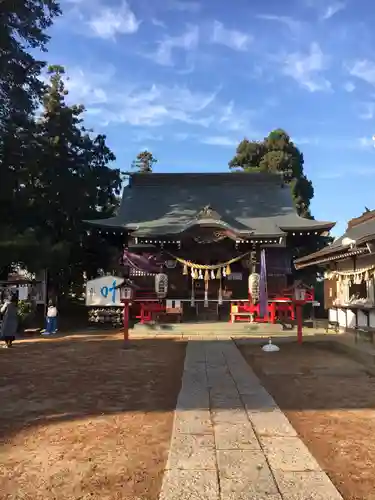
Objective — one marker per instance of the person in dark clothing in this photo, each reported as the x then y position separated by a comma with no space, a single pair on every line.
10,321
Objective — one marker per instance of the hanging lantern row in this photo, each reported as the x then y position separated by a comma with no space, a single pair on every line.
258,241
160,242
307,234
99,231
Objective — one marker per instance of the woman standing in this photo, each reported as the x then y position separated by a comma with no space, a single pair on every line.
10,321
51,320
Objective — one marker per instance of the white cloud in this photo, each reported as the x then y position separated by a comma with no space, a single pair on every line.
365,142
325,8
365,171
347,172
88,88
364,70
233,39
331,175
232,120
303,141
220,140
185,6
158,23
332,9
181,136
107,22
349,86
138,105
293,25
144,135
367,110
188,41
307,69
109,100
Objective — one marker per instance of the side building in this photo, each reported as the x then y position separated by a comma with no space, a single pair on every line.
349,263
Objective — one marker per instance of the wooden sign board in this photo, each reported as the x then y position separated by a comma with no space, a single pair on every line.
103,292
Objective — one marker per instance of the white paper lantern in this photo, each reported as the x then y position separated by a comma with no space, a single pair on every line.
161,285
254,280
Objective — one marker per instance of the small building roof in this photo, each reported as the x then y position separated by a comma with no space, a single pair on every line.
256,204
360,231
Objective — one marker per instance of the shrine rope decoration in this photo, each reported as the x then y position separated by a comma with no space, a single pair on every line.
223,267
357,275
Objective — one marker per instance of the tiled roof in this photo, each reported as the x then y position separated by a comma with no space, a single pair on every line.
247,203
359,232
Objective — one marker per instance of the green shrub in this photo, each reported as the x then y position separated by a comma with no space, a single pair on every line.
24,310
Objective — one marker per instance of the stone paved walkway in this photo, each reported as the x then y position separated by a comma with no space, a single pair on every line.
230,440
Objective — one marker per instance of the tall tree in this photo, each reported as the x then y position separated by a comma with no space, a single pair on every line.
65,180
277,153
144,162
23,27
75,182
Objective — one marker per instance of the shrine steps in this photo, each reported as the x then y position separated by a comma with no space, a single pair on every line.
216,328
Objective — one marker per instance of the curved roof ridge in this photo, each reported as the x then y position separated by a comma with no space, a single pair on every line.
152,179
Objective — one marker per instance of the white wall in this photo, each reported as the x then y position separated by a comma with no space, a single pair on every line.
362,318
346,318
332,314
372,319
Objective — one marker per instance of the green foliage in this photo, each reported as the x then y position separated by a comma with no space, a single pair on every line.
277,153
54,172
144,162
24,309
23,27
75,184
59,178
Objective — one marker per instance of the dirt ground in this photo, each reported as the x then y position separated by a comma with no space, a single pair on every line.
330,400
82,418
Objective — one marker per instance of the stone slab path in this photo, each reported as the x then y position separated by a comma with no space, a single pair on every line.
230,440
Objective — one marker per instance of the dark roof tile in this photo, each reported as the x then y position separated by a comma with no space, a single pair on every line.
248,203
360,233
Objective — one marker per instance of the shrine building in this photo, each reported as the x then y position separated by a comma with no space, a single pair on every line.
221,240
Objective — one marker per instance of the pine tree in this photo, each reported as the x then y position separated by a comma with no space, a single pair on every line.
144,162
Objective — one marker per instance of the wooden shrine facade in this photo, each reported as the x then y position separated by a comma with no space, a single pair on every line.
207,233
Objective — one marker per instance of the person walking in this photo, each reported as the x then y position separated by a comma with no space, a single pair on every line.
51,320
10,321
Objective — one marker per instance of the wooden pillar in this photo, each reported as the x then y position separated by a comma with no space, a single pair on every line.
126,320
299,322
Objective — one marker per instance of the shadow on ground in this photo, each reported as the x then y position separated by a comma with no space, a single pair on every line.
73,377
54,380
316,375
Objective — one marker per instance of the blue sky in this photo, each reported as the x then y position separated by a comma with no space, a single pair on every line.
188,79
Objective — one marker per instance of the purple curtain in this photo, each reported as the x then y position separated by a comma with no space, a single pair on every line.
263,295
147,262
